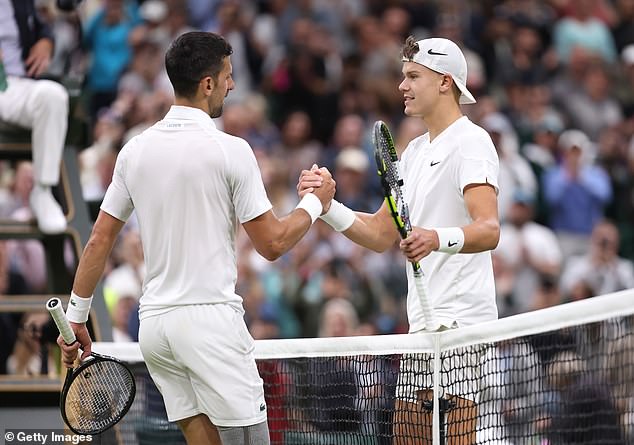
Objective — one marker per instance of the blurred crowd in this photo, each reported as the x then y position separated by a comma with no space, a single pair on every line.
554,80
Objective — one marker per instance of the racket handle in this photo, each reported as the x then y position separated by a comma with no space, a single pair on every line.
54,306
431,324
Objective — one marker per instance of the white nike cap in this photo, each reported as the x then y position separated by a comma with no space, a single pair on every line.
444,57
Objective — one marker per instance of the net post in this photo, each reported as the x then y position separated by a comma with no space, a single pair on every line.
436,396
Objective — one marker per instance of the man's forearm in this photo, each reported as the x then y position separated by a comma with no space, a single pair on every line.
91,267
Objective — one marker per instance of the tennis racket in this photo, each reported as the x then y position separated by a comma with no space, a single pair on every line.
99,392
387,168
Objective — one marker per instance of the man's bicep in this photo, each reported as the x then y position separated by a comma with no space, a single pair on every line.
481,201
107,225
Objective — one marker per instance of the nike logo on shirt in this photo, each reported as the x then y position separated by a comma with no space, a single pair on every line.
434,163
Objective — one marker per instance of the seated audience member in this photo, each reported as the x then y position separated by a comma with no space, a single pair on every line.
37,104
26,358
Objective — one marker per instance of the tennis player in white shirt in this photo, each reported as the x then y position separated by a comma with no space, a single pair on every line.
191,184
450,179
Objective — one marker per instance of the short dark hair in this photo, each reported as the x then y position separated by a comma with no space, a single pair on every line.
191,57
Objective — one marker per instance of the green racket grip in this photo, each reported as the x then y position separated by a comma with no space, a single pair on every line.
54,306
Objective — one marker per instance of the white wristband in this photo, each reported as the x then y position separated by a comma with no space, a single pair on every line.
312,205
451,239
78,308
338,216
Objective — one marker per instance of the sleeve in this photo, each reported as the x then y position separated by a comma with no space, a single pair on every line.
117,201
247,188
479,163
91,29
597,182
42,29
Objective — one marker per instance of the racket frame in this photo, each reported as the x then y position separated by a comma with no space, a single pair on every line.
401,220
55,308
72,374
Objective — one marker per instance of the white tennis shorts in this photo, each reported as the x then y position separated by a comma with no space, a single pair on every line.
461,372
201,359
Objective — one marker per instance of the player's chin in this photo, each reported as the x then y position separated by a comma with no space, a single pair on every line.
409,111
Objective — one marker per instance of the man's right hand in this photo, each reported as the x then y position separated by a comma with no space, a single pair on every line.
69,352
309,180
318,181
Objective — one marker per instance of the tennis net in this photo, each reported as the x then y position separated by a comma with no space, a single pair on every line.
563,375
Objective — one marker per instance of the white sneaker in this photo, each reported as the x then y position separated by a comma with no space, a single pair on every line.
47,211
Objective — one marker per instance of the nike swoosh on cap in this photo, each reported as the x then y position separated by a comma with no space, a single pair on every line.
434,53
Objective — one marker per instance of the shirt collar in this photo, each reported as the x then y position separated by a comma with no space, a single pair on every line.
180,112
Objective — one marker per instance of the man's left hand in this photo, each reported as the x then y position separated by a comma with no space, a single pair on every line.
39,58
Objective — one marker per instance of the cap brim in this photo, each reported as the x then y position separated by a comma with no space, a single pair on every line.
466,97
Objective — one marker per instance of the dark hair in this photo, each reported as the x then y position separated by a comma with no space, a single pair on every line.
410,48
191,57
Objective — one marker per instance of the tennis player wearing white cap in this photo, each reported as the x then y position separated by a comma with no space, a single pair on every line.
450,179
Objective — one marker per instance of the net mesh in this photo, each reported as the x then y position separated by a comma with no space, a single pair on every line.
98,395
559,376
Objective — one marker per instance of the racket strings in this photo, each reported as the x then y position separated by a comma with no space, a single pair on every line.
392,178
98,396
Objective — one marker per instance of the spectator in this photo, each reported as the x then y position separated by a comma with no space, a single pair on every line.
576,192
530,249
625,89
96,163
623,30
146,73
521,57
352,168
298,148
591,107
123,308
515,171
126,279
27,358
582,400
542,153
601,268
106,37
582,29
512,397
349,132
334,379
26,48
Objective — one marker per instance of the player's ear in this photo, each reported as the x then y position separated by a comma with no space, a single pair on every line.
206,85
446,82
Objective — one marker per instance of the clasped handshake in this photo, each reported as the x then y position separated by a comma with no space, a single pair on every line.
418,244
318,181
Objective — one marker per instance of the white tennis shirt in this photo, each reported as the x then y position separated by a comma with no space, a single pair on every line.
190,184
435,174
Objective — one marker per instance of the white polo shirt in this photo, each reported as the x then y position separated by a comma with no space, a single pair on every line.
190,185
435,174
